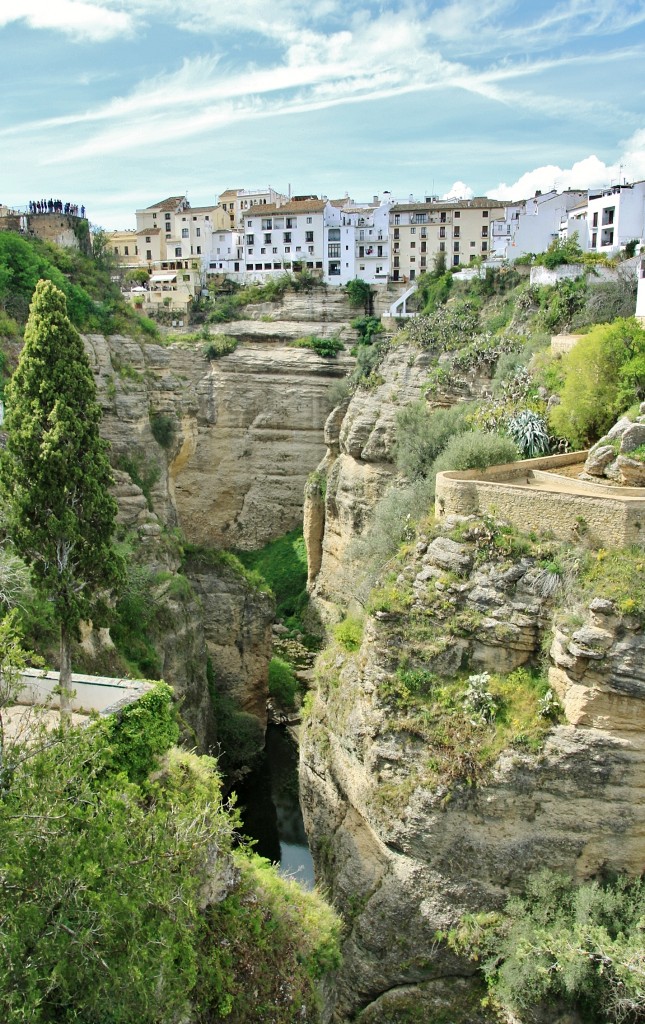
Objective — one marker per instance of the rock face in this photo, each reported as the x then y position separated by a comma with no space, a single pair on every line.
618,455
408,838
359,464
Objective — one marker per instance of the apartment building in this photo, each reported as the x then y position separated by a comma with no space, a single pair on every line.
125,246
459,228
234,202
360,246
616,216
227,252
290,236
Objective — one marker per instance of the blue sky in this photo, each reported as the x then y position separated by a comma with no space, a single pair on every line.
118,103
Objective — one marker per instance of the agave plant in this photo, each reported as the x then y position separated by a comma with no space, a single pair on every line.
529,431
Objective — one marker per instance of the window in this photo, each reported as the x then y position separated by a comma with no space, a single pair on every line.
250,239
379,250
595,220
484,213
199,250
361,252
413,231
166,215
455,261
442,218
485,232
309,235
413,245
263,251
125,251
442,246
148,254
310,248
413,274
267,223
154,216
267,239
198,231
333,250
472,244
184,232
397,218
594,240
333,269
309,220
147,238
396,232
249,223
413,259
287,248
250,252
419,218
456,247
286,236
290,222
274,250
457,214
396,261
334,234
178,251
457,232
484,246
424,247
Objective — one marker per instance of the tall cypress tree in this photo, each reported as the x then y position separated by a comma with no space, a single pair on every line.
55,474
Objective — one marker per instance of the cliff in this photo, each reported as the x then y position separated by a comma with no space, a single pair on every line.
420,808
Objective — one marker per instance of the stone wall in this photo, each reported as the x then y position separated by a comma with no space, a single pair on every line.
567,510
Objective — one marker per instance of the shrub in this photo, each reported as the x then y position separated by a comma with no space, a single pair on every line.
475,450
422,434
349,633
283,685
368,328
603,374
359,294
393,522
141,732
163,428
282,564
327,348
219,345
563,946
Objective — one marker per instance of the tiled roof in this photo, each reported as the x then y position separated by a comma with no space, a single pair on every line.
202,209
293,207
149,231
479,203
167,204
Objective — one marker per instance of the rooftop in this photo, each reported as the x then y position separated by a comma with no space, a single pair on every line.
479,202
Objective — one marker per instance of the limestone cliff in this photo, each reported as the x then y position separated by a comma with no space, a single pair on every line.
359,465
419,811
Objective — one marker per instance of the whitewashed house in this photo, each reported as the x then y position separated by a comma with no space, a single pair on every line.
359,246
531,225
289,237
615,217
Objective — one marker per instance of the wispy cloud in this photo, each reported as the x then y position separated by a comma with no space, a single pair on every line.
80,19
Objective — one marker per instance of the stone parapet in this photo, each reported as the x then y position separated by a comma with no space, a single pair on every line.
530,497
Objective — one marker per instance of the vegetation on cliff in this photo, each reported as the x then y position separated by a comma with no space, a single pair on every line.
123,899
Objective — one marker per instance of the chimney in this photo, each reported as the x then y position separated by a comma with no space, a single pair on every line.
375,200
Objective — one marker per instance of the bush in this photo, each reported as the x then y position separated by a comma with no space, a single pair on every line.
219,345
283,685
562,946
359,294
282,564
141,732
475,450
422,434
368,328
603,375
349,633
327,348
529,432
394,518
163,428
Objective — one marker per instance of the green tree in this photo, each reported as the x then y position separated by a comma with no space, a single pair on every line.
604,375
55,474
359,294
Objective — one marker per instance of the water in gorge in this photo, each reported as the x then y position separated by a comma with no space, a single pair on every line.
269,802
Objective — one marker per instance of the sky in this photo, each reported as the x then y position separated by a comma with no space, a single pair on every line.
116,104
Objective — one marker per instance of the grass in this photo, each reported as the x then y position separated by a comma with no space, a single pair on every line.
282,565
213,557
618,576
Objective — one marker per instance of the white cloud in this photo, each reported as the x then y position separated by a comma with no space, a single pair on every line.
459,190
590,172
77,18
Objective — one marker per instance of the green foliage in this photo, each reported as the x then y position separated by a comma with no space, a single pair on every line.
163,428
561,304
105,910
196,555
368,360
603,374
529,432
422,434
608,301
359,294
449,327
141,732
135,619
563,946
561,251
617,576
283,565
393,522
219,345
327,348
368,328
349,633
54,472
142,472
475,450
283,685
433,290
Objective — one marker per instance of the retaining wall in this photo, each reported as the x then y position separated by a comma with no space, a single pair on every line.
505,492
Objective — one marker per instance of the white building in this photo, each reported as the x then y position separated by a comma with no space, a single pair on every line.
616,216
360,245
290,236
234,202
227,252
532,225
